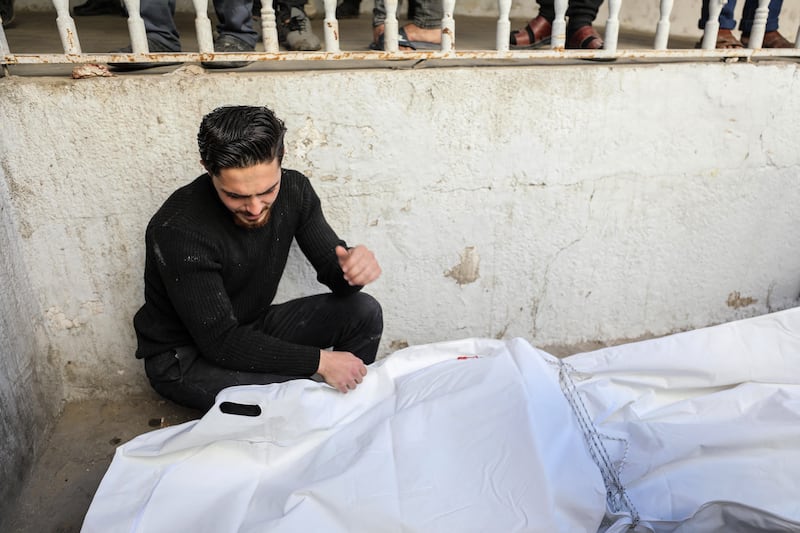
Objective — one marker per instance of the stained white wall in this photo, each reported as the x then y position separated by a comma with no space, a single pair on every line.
559,204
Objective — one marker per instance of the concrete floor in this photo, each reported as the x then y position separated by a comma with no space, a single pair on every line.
57,495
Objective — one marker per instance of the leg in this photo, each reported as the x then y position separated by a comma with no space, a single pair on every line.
772,38
353,323
183,376
580,33
726,16
159,23
236,20
294,28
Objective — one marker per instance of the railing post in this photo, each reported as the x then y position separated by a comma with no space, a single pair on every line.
612,26
4,49
202,25
66,28
503,25
759,25
448,25
331,27
558,37
662,29
390,27
269,30
136,28
712,24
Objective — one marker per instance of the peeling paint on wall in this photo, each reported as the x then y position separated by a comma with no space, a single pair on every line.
468,269
737,301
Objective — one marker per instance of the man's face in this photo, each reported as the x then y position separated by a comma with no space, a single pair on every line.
249,192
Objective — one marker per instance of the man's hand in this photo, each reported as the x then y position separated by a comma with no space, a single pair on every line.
341,370
358,264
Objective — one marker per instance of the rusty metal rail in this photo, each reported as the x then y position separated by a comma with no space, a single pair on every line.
447,54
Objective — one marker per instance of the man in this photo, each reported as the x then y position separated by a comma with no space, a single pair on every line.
215,253
235,31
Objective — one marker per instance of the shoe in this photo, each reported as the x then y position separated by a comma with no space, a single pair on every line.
349,9
229,43
294,32
152,46
535,35
92,8
585,38
772,39
7,12
404,42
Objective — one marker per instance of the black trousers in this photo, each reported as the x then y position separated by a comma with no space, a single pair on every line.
579,12
352,324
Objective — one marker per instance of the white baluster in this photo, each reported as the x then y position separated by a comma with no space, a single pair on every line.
448,25
797,38
4,49
759,25
331,27
390,27
269,30
136,28
558,37
712,24
612,25
66,28
202,24
662,29
503,25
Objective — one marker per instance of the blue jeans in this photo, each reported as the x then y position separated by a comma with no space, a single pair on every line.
728,22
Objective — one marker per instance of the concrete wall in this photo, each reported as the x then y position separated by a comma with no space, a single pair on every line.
29,395
629,201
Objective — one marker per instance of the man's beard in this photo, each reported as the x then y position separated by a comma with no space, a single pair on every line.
243,223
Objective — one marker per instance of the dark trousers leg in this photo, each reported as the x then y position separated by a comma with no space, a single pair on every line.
353,323
579,12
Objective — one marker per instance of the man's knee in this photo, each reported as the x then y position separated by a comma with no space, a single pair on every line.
370,313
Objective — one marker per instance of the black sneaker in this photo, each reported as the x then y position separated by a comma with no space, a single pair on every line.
7,12
229,43
152,46
294,31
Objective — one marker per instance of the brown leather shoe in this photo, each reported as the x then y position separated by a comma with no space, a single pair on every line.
535,35
772,39
585,38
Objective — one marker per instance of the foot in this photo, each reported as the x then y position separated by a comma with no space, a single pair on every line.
535,35
229,43
92,8
726,39
585,38
772,39
294,32
411,37
152,46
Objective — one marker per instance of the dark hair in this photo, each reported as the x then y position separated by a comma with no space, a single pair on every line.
240,137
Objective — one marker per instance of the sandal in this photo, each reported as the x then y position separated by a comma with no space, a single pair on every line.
535,35
725,39
772,39
585,38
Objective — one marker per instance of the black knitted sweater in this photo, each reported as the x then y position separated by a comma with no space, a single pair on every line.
207,281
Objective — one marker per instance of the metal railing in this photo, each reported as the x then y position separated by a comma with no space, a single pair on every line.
332,50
